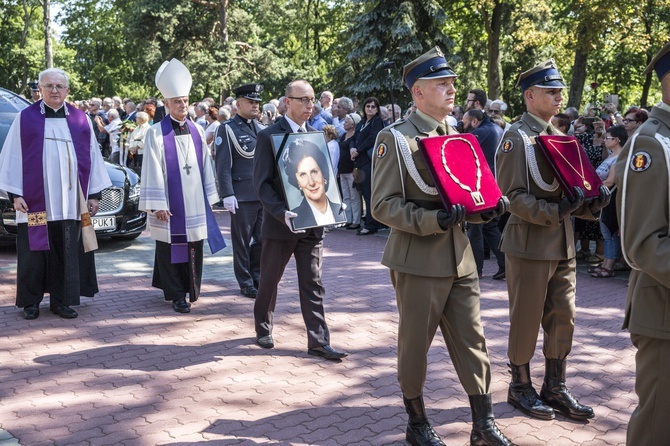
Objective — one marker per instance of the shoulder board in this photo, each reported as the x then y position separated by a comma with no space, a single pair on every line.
398,122
649,127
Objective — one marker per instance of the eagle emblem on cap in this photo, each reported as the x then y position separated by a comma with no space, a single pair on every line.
439,51
258,87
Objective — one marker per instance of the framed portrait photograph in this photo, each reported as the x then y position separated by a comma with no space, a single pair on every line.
308,178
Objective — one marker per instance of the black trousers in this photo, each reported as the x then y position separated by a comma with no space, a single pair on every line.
245,234
177,279
308,253
64,271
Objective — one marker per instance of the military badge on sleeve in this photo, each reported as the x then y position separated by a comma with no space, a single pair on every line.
218,141
640,162
381,150
507,145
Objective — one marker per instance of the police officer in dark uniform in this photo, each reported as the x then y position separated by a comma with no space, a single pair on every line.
235,147
643,178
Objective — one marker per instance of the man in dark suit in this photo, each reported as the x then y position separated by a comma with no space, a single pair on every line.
235,147
280,241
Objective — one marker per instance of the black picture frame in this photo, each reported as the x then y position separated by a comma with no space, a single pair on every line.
291,149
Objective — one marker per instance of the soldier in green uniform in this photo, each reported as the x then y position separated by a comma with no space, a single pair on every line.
539,251
642,174
431,263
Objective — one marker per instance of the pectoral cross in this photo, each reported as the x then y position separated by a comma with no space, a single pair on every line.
187,168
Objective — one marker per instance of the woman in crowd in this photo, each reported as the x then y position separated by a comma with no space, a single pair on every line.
561,122
591,137
136,141
306,167
212,126
333,146
366,135
350,194
609,226
633,119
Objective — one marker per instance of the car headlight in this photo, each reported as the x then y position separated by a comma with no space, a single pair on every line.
134,193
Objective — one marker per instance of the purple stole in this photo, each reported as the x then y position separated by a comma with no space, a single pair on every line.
178,240
32,152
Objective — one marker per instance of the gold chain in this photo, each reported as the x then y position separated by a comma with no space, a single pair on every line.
476,195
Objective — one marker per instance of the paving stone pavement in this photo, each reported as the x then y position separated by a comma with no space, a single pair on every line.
130,371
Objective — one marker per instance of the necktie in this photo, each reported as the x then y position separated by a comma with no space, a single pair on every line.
550,130
441,129
301,130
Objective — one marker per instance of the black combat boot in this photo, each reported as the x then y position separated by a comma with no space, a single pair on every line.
555,394
419,432
523,396
484,429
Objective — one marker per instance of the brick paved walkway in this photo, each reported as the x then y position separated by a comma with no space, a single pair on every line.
131,371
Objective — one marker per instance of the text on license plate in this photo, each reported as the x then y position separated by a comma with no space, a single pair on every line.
104,223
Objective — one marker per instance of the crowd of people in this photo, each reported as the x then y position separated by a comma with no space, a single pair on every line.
254,160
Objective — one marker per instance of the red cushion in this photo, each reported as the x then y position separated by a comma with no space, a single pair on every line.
460,154
570,163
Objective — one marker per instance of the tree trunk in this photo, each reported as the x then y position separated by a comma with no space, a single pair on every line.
647,80
579,71
494,68
48,52
27,14
223,20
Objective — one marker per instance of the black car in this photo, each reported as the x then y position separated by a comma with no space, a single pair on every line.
118,216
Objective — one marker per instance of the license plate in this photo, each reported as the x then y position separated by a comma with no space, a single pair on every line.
103,223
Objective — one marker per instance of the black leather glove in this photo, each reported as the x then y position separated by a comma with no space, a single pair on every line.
568,206
453,218
602,200
503,206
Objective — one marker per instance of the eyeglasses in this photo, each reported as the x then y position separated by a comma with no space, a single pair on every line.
469,100
626,120
305,100
611,137
494,112
370,106
58,87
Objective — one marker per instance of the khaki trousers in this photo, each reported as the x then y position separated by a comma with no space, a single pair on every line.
649,426
424,303
540,292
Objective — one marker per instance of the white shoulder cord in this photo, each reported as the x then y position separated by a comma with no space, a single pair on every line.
665,143
406,152
531,162
233,140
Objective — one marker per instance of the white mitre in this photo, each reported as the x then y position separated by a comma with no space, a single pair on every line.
173,79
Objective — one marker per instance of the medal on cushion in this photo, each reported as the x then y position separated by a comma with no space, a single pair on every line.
476,196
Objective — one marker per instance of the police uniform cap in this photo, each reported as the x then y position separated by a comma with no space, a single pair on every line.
430,65
544,75
249,91
33,86
660,63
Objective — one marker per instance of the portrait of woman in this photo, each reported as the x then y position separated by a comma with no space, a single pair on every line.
307,170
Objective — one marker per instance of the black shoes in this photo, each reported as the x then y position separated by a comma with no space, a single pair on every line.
249,291
353,227
63,311
326,351
265,341
419,431
31,312
523,396
556,395
181,306
500,275
484,429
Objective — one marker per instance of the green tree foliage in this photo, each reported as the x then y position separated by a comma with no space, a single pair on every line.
115,47
389,31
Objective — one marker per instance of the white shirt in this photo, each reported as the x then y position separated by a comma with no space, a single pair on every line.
154,186
61,181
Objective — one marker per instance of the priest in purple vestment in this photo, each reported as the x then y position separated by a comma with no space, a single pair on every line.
178,189
52,169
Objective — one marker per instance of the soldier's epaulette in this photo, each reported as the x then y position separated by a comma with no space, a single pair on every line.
398,122
649,128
